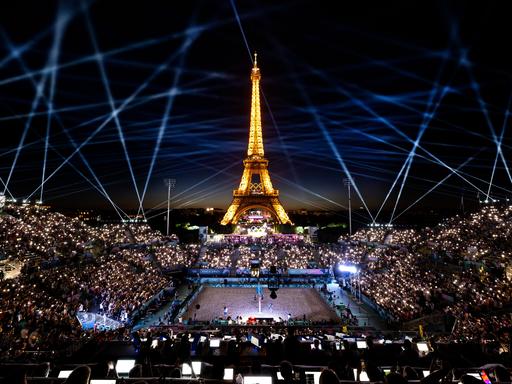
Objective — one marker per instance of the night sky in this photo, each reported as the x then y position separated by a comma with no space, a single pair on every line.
409,98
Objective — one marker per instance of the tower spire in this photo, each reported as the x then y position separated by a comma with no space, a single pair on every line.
255,190
255,147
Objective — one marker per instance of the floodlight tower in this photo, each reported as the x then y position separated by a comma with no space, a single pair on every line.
171,183
348,184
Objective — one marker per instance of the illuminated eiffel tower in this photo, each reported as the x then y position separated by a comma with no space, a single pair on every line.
255,190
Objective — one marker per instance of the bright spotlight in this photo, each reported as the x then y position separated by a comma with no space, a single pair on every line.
347,268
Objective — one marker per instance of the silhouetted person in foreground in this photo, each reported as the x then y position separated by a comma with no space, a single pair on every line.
328,376
286,369
80,375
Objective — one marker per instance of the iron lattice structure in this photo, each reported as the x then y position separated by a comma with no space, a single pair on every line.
255,190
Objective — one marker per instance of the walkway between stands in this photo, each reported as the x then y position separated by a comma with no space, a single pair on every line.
366,315
159,316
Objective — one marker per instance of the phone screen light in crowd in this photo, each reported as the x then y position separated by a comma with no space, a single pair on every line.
422,347
363,376
485,377
202,339
255,341
154,343
64,374
474,374
361,344
257,379
315,375
425,373
123,367
214,343
196,367
186,369
228,374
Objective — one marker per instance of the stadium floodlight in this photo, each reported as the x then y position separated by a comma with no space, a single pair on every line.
348,183
171,183
347,268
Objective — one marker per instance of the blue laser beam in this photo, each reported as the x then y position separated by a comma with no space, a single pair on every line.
498,147
434,187
168,108
106,84
407,162
35,103
62,20
118,110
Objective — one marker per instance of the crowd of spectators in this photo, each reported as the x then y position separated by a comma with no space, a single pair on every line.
460,268
284,256
71,267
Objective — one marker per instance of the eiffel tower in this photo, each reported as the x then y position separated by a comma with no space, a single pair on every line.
255,190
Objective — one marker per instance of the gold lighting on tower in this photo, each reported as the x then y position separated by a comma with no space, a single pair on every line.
255,190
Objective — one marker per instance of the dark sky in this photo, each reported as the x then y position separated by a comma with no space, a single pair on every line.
350,87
